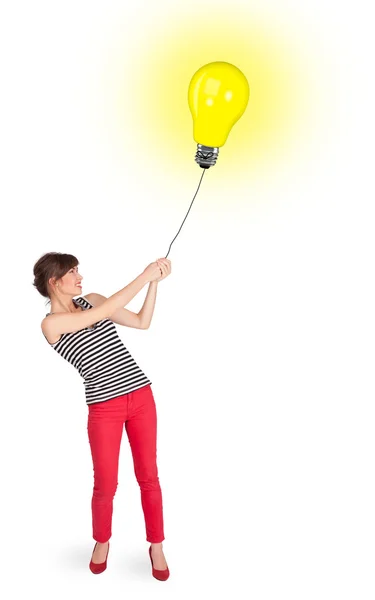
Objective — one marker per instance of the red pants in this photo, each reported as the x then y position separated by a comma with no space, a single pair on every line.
137,411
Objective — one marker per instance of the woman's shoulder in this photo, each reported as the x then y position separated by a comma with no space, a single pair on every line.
46,332
94,299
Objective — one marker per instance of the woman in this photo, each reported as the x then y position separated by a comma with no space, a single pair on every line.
117,391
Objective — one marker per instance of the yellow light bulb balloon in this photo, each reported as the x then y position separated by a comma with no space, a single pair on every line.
218,95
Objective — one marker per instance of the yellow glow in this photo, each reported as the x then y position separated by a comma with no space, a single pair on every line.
218,95
149,87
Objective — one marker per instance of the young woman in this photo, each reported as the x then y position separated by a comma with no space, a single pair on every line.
82,330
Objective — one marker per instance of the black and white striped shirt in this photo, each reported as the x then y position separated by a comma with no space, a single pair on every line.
101,358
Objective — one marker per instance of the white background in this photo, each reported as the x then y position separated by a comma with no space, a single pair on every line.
261,348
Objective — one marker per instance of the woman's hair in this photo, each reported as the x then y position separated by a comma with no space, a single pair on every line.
52,264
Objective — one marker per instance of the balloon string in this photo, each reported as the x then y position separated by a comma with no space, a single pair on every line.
200,181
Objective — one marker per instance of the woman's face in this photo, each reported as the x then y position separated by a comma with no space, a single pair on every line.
69,284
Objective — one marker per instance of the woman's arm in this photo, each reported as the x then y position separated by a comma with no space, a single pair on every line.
147,310
121,316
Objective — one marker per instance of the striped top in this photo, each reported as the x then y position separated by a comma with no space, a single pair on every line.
101,358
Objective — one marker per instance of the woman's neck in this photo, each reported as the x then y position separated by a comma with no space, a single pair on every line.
69,309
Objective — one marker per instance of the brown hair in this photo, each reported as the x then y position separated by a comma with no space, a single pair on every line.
52,264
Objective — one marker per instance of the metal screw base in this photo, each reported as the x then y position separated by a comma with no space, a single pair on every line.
206,156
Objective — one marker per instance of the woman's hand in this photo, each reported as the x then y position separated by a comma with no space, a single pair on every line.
152,271
165,268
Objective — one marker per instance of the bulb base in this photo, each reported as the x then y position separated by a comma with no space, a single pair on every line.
206,156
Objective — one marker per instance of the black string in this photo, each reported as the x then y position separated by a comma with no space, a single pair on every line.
204,170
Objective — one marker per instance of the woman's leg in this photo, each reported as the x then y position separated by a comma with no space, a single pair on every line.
105,426
141,427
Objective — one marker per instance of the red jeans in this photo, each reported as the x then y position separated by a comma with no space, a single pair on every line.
105,422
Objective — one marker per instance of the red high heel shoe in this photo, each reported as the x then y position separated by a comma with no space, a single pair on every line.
158,574
98,567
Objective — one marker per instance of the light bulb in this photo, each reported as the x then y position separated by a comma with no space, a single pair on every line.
218,95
